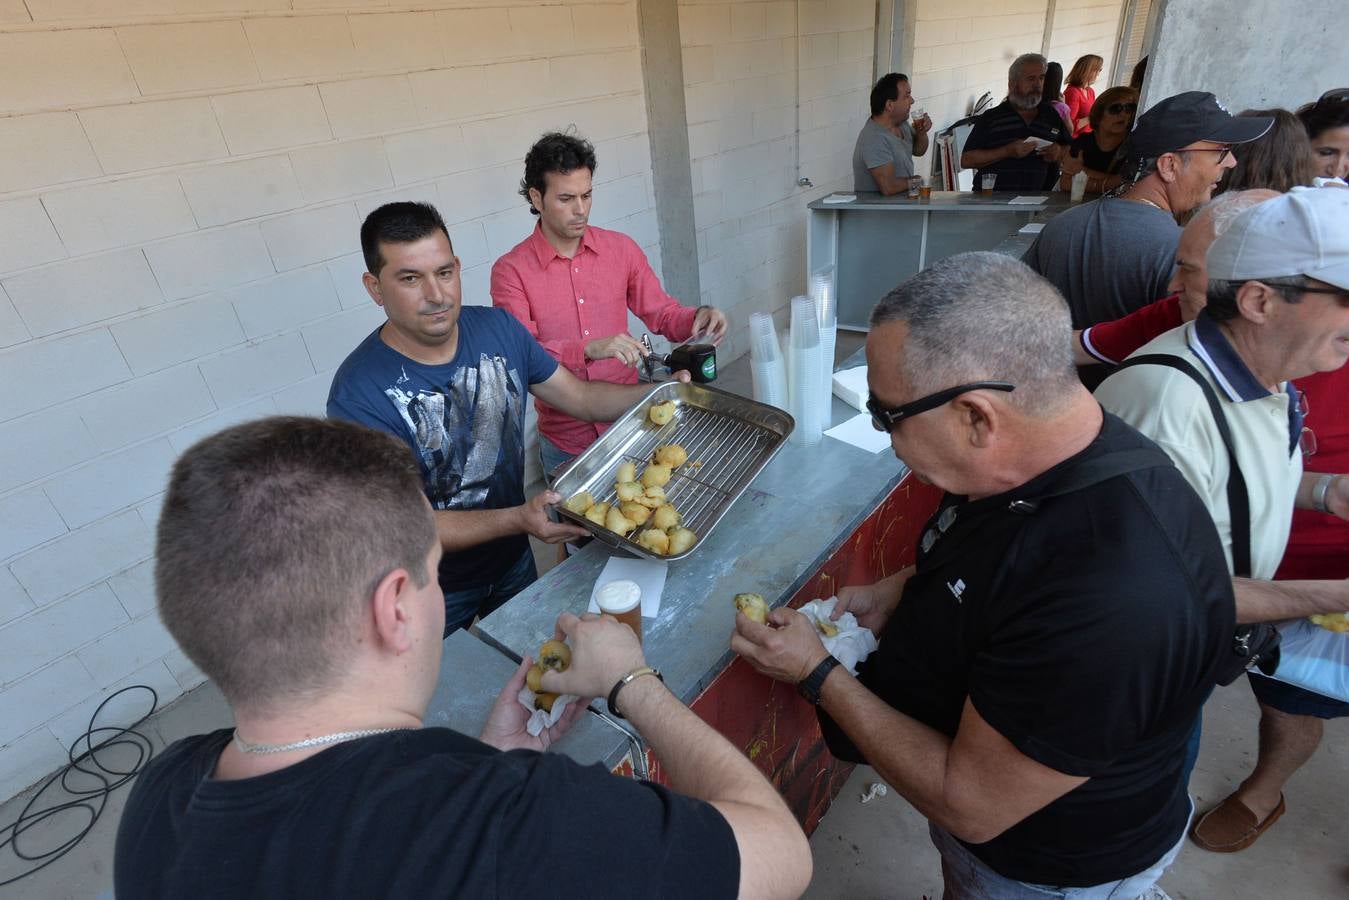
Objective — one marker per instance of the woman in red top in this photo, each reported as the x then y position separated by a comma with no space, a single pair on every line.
1079,95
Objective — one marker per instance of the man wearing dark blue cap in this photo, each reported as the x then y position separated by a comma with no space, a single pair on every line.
1114,255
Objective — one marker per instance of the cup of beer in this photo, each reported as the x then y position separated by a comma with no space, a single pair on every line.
987,182
623,600
925,189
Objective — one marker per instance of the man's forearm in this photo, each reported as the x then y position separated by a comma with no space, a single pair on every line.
1272,601
603,402
919,143
1307,488
977,159
460,529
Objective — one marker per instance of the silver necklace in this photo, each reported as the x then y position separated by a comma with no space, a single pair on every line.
320,741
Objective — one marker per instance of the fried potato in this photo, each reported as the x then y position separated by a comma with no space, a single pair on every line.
1332,621
579,503
626,472
665,517
554,655
656,475
533,678
661,413
753,606
671,455
598,512
681,539
628,490
826,628
652,498
655,540
618,523
635,511
544,700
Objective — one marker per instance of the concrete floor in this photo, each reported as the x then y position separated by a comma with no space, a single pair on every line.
875,850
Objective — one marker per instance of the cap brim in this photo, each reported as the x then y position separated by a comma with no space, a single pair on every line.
1240,129
1336,276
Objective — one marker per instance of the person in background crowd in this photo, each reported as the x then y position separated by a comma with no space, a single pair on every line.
1278,309
1100,149
571,285
1327,124
1140,71
1054,92
450,380
1111,342
1114,255
1279,160
882,159
1058,565
296,566
1002,142
1079,94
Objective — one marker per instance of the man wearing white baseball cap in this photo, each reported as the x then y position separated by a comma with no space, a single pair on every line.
1278,309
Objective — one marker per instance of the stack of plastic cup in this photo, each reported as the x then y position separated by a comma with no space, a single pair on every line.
804,372
767,366
822,292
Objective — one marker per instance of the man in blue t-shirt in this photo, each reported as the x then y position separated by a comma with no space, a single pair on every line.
451,382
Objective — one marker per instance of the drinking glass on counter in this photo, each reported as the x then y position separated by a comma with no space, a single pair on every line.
925,188
987,182
622,600
915,182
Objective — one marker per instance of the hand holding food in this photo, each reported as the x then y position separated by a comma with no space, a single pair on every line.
753,606
603,651
554,655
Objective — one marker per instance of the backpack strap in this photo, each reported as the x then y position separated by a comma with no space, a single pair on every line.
1238,500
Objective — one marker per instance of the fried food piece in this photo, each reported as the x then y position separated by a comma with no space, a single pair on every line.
626,472
635,511
628,490
598,512
671,455
555,655
1332,621
618,523
544,701
652,498
579,503
681,539
826,628
665,517
661,413
753,606
656,475
533,678
655,540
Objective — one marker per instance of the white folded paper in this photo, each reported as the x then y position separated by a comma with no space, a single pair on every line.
852,644
648,575
1032,228
1025,201
840,198
850,386
859,432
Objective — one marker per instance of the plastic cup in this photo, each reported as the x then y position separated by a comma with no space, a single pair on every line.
925,189
622,600
987,182
913,188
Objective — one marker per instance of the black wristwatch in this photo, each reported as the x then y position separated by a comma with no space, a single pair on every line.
814,682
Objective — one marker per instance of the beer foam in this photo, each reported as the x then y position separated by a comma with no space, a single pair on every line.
618,596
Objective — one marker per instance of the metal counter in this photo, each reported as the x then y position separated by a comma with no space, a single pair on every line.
875,242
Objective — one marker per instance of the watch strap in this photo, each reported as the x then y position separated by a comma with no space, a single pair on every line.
813,683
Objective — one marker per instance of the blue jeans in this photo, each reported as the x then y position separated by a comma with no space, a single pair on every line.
462,606
551,456
967,877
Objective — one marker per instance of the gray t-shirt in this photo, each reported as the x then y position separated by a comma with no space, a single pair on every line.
876,146
1108,257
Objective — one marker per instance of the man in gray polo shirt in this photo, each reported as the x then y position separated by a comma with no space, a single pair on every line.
882,161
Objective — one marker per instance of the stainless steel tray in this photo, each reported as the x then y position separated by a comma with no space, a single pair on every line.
729,440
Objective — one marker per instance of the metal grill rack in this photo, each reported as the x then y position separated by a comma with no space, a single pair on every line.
729,440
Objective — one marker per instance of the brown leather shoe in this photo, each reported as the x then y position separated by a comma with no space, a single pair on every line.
1231,826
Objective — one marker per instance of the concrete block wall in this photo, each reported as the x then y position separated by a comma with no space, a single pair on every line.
747,65
181,184
1087,26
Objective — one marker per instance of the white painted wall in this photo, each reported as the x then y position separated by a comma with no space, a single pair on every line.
742,77
181,184
1086,26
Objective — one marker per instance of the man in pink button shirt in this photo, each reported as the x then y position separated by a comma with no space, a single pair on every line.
571,284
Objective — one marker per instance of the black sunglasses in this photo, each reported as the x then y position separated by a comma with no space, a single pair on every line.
883,419
1116,108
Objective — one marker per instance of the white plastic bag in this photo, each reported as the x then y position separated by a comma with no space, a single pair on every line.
1314,658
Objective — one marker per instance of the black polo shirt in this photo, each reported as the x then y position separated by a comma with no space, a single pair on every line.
1003,124
1085,628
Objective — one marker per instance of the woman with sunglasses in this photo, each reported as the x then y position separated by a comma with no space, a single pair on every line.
1098,151
1327,124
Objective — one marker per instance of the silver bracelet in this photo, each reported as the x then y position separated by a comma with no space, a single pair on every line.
1321,491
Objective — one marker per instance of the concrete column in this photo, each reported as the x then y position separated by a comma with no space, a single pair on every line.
1255,54
895,21
667,130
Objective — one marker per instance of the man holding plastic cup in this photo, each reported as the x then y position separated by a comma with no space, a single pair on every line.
882,159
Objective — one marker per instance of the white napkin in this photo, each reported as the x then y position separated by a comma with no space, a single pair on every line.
840,198
540,719
647,573
1032,228
852,644
1039,142
850,386
1025,201
859,432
